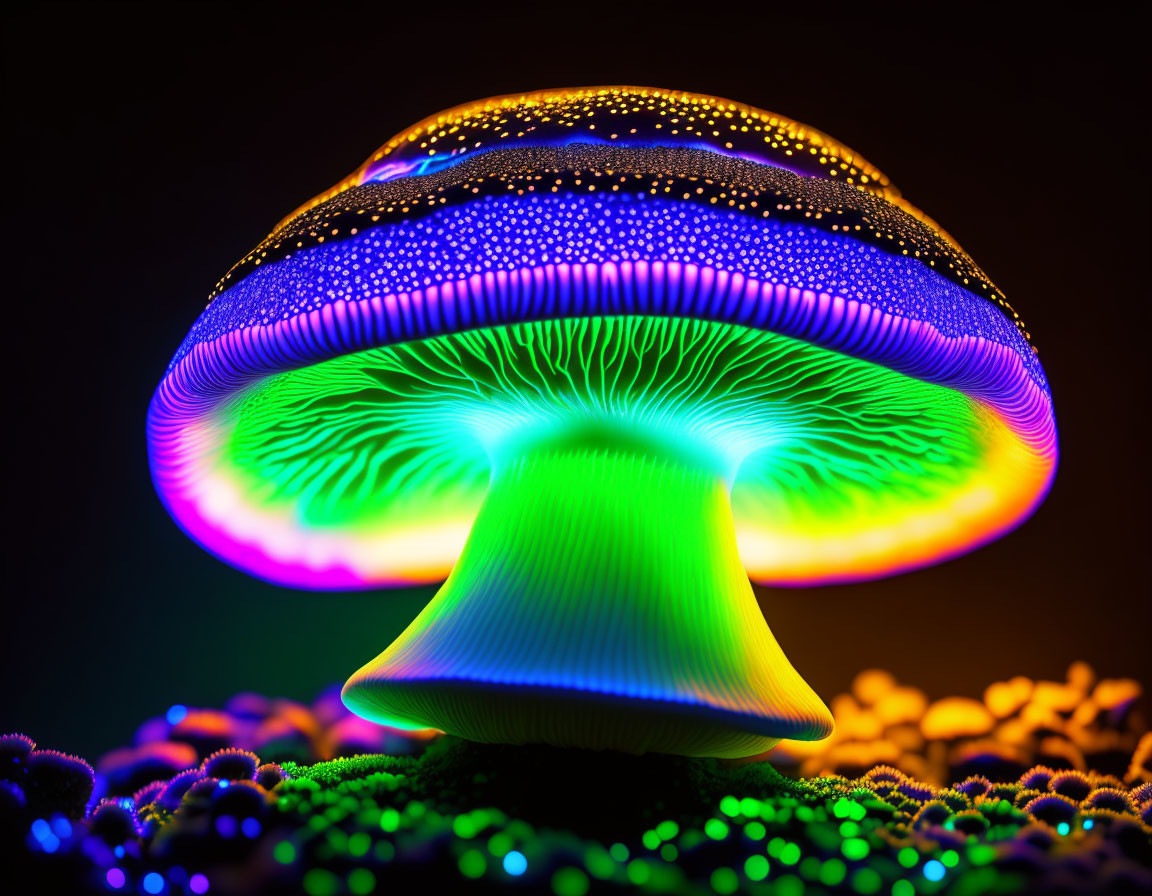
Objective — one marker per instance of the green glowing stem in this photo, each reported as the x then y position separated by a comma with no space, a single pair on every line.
599,602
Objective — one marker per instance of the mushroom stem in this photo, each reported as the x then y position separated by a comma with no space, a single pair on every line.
599,602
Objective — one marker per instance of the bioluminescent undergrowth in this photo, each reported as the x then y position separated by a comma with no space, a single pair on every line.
601,355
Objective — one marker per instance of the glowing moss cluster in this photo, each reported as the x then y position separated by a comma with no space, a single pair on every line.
465,818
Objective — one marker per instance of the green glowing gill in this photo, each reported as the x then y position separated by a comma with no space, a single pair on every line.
394,435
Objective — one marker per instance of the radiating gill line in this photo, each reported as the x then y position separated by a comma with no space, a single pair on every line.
390,420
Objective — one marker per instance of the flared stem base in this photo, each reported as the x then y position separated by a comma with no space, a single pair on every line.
600,602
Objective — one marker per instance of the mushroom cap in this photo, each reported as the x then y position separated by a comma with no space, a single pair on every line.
899,415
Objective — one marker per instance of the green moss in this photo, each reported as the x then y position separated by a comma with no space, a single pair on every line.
339,770
586,821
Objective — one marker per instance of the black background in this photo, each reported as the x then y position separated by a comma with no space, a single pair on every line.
148,150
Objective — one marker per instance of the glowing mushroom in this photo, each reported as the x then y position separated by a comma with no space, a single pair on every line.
601,355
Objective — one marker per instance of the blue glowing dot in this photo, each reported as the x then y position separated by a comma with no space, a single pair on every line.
50,844
934,870
153,882
251,828
1088,824
1063,828
176,713
40,829
226,826
119,851
223,785
115,878
515,863
198,884
61,826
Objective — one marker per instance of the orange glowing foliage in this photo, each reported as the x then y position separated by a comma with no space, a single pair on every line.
956,717
1006,697
1019,724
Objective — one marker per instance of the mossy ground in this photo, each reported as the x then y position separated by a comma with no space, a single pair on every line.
570,822
599,794
406,813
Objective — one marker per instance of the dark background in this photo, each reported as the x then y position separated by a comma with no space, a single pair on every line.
148,154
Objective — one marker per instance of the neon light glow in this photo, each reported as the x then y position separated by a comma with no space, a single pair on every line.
814,446
597,378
